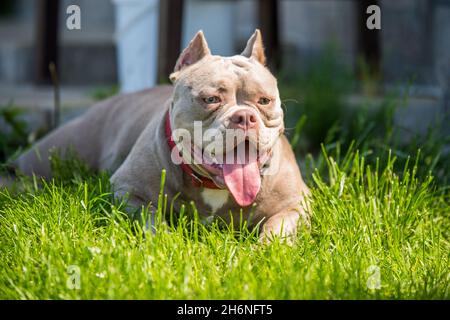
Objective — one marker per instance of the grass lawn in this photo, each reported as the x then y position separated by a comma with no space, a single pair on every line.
378,232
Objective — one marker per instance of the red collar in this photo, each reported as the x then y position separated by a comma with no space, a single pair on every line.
197,181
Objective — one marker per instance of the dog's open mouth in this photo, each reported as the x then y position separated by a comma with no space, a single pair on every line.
239,171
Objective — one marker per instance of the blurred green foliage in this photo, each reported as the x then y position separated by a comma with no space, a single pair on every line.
101,93
14,135
317,95
317,111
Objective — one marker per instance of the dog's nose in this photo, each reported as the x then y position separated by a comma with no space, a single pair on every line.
243,119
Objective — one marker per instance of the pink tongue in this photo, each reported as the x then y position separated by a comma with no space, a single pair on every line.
243,181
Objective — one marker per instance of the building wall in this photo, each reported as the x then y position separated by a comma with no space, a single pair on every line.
413,37
86,57
307,27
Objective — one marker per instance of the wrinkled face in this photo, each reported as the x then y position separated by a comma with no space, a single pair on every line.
230,108
229,94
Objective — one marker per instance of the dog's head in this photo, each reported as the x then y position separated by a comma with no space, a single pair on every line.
226,112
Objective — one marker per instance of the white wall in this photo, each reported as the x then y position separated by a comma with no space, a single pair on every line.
137,43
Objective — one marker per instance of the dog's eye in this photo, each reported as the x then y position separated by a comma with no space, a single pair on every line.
212,100
264,101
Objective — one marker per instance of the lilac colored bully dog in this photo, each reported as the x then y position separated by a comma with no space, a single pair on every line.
218,131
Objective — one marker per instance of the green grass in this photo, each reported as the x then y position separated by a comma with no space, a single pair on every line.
366,219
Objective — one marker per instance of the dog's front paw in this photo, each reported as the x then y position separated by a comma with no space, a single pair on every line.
283,225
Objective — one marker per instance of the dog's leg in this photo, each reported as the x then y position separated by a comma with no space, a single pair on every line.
6,182
76,136
134,206
284,225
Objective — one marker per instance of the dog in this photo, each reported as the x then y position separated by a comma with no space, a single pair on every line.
135,136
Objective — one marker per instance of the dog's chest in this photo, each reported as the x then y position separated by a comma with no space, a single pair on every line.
214,198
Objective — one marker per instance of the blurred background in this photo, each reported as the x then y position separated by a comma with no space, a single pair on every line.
342,85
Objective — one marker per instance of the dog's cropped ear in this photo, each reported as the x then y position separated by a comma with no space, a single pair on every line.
255,48
195,51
